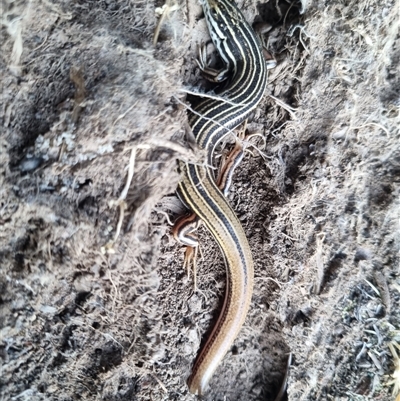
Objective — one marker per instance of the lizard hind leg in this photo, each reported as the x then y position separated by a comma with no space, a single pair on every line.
210,73
184,232
231,161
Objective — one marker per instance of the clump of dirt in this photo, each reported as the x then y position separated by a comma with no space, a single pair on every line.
95,303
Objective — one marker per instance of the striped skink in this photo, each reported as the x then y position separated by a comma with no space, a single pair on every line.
213,119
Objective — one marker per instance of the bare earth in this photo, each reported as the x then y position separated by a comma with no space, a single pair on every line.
95,303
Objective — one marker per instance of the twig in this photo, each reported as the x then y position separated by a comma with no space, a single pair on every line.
164,10
289,109
207,95
302,30
206,118
120,202
285,379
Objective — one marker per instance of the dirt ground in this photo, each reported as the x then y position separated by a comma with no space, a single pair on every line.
95,303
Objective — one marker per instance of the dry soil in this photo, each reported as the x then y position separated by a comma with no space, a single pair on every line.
95,303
